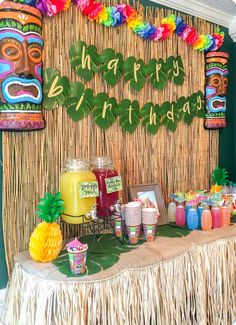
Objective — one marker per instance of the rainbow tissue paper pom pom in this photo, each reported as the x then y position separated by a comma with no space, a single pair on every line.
113,16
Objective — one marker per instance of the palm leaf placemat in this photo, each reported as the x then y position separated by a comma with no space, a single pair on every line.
172,230
103,252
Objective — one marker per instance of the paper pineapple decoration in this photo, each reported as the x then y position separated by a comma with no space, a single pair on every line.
46,240
219,178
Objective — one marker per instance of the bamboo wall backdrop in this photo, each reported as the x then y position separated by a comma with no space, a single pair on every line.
32,162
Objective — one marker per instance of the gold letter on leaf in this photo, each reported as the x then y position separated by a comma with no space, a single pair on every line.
85,60
105,107
80,102
136,68
186,107
113,65
170,114
158,68
176,68
55,90
153,117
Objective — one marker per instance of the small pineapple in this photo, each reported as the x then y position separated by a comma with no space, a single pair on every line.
46,240
219,178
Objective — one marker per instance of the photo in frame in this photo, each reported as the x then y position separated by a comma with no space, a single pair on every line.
151,195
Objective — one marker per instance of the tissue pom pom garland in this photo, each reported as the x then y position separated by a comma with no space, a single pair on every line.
113,16
52,7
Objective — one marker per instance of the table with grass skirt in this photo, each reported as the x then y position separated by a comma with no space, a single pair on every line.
183,277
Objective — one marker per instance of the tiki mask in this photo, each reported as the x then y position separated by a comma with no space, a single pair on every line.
215,91
20,67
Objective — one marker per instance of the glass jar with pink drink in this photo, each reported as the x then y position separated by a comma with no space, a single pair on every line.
180,214
109,183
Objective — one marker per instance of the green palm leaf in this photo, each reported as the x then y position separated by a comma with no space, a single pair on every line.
151,117
198,102
111,66
135,73
55,88
170,115
102,254
84,59
158,73
129,115
103,111
79,102
176,70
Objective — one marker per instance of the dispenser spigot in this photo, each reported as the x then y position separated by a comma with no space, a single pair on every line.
116,208
93,213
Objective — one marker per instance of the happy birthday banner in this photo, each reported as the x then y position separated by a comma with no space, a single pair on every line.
85,60
80,102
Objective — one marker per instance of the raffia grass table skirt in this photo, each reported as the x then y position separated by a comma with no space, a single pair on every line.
189,280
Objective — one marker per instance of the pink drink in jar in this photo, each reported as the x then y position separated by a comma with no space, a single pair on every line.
216,217
102,167
180,215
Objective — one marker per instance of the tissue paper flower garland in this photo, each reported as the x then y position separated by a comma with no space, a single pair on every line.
113,16
52,7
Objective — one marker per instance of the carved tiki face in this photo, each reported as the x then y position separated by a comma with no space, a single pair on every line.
20,67
215,91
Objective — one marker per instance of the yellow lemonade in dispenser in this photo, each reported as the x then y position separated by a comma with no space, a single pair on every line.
74,185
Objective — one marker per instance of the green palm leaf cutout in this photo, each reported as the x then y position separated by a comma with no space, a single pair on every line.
103,111
111,66
129,115
135,73
84,60
102,254
79,102
170,116
198,101
158,73
55,88
151,117
176,70
186,109
172,230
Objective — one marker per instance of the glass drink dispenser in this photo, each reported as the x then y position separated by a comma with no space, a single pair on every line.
79,188
109,184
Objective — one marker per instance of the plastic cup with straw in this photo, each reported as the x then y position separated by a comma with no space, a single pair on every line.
77,252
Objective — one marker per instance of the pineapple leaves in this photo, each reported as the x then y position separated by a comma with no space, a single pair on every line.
50,207
55,88
220,176
79,102
84,60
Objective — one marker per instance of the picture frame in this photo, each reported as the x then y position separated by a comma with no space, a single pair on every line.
151,193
